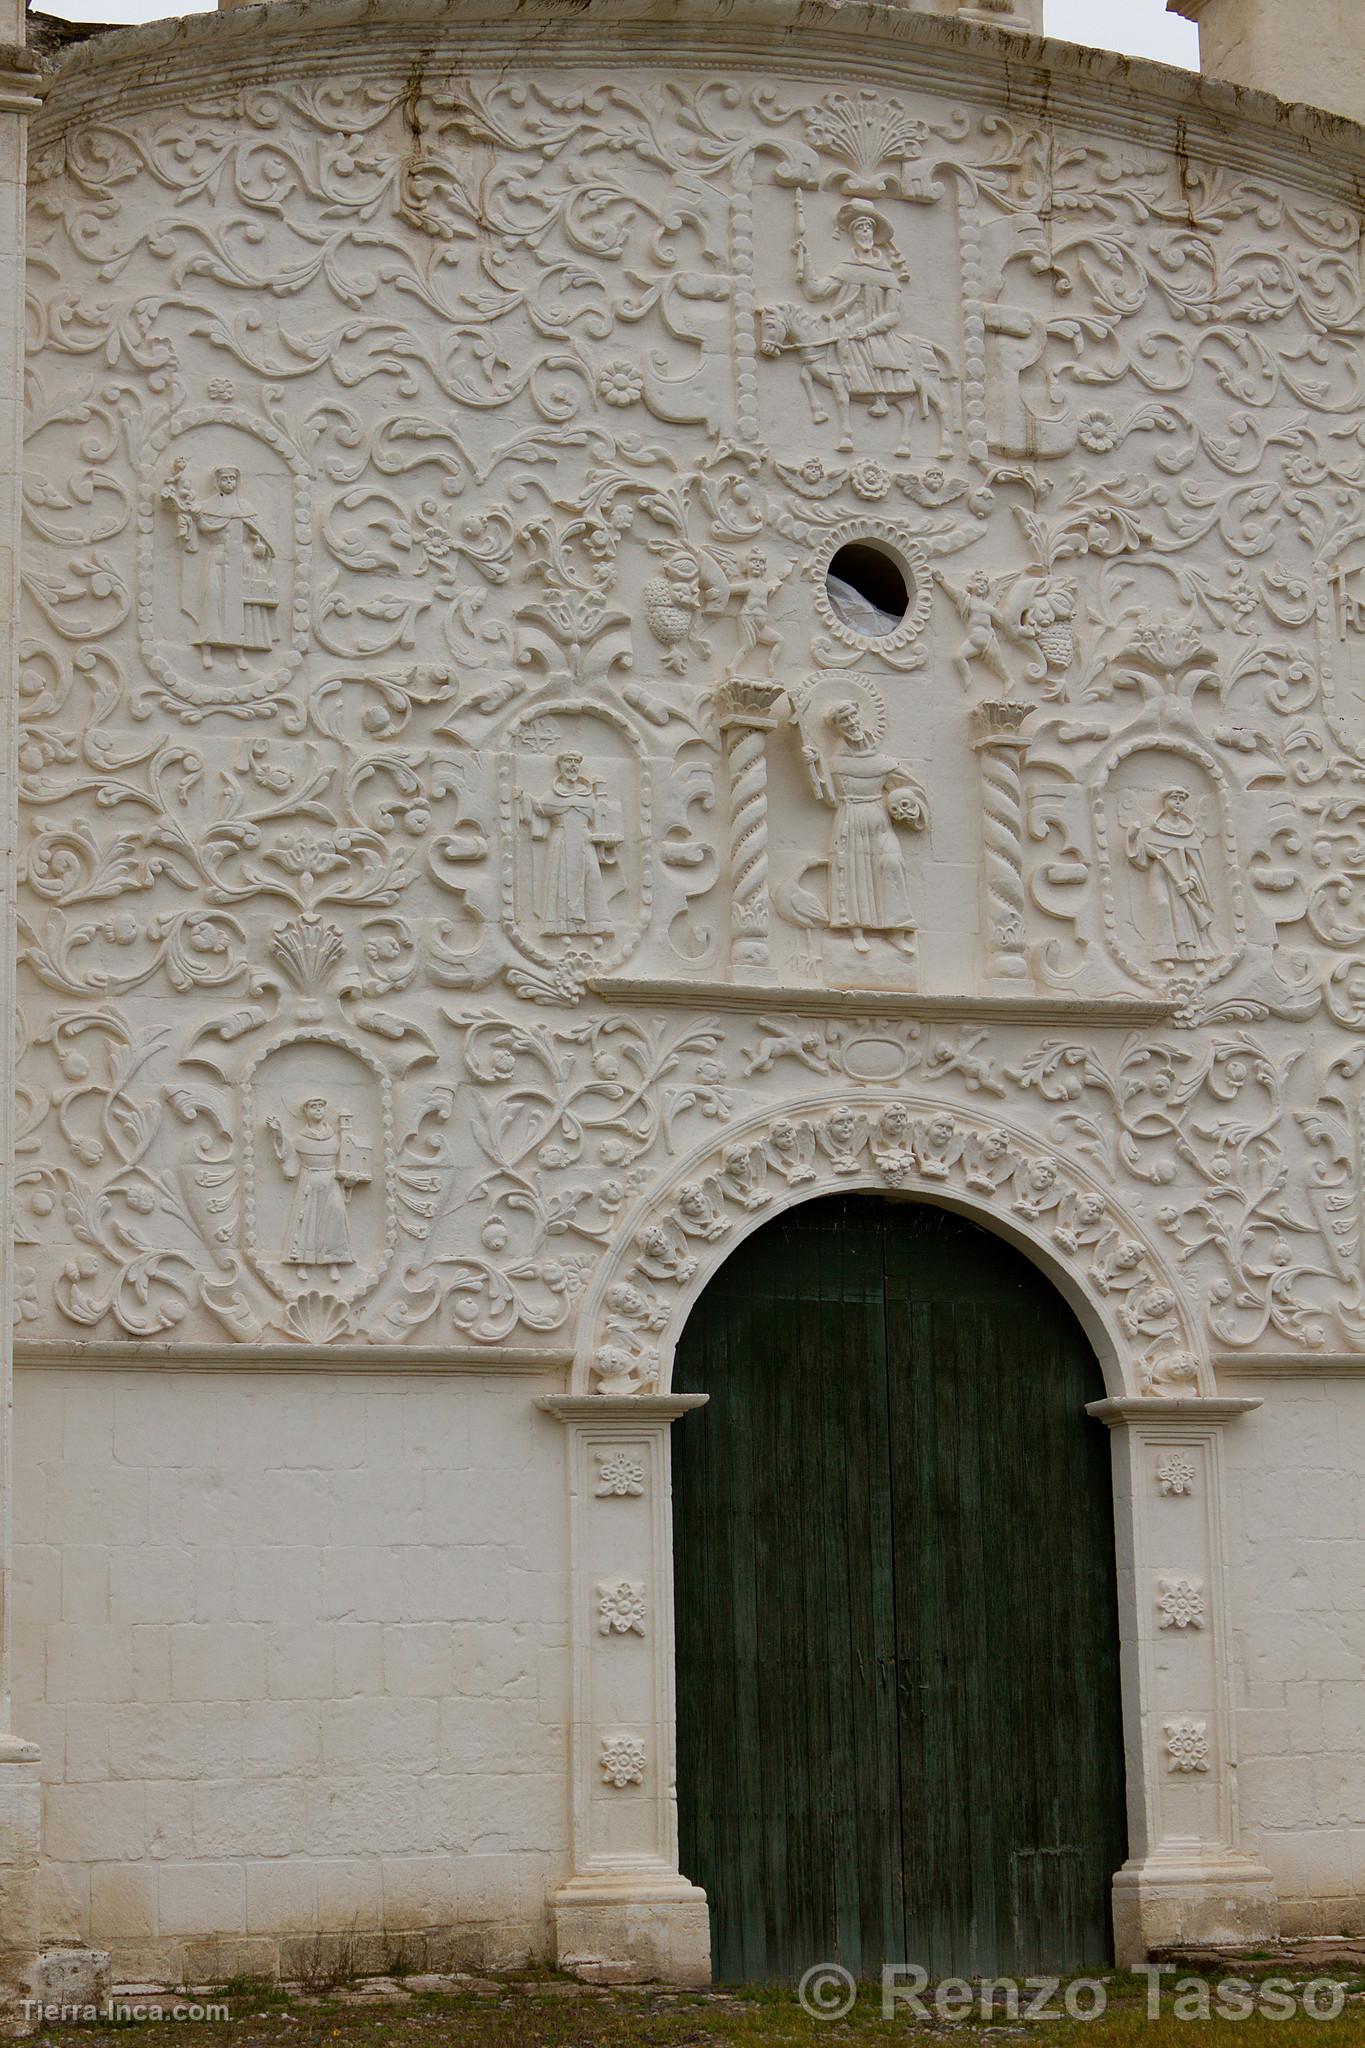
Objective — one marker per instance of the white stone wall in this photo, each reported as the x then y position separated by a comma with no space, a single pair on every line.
1297,1544
295,1650
477,865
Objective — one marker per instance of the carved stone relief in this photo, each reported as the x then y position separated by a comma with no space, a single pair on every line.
435,616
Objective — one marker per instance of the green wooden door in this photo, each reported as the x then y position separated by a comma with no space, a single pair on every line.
897,1641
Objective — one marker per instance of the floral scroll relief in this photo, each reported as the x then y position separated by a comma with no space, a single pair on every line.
347,517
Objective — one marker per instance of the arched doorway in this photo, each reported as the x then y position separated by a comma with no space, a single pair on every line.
899,1728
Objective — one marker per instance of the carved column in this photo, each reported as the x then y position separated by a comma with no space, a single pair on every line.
1187,1879
19,1793
746,718
1000,742
627,1913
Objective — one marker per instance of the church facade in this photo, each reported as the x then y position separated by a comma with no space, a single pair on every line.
633,618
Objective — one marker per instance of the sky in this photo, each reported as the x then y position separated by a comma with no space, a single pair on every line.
1141,27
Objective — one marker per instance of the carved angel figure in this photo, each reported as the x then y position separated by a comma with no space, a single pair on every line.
324,1161
791,1147
228,576
581,829
872,795
984,620
938,1146
756,590
1171,850
893,1144
843,1138
988,1161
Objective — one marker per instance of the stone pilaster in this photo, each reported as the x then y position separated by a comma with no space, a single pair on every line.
627,1913
1188,1880
19,1793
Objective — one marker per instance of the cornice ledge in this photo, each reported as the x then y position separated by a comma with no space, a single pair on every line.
23,80
1120,1410
1052,79
620,1407
1287,1364
1119,1012
54,1355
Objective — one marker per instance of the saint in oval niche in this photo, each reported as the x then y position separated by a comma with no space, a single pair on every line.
229,587
317,1174
323,1160
574,828
1168,847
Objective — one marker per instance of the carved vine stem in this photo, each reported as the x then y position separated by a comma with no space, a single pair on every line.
746,717
746,328
1000,743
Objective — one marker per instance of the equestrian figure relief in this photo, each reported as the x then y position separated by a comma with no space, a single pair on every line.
849,337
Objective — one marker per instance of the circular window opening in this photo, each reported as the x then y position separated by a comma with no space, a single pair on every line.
867,589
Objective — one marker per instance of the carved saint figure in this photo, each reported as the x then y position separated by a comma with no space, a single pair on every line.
581,829
228,571
872,795
324,1161
1171,850
856,347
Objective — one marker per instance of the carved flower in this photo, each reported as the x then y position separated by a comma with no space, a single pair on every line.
619,383
869,480
563,1276
140,1198
1176,1473
494,1235
623,1761
27,1308
434,544
120,930
203,936
222,390
1180,1603
620,1476
303,854
621,1609
1187,1745
1099,432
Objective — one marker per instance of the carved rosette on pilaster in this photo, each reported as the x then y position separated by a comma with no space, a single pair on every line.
1187,1877
747,714
1000,740
627,1912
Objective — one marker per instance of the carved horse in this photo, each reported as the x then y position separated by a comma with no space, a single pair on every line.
787,329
